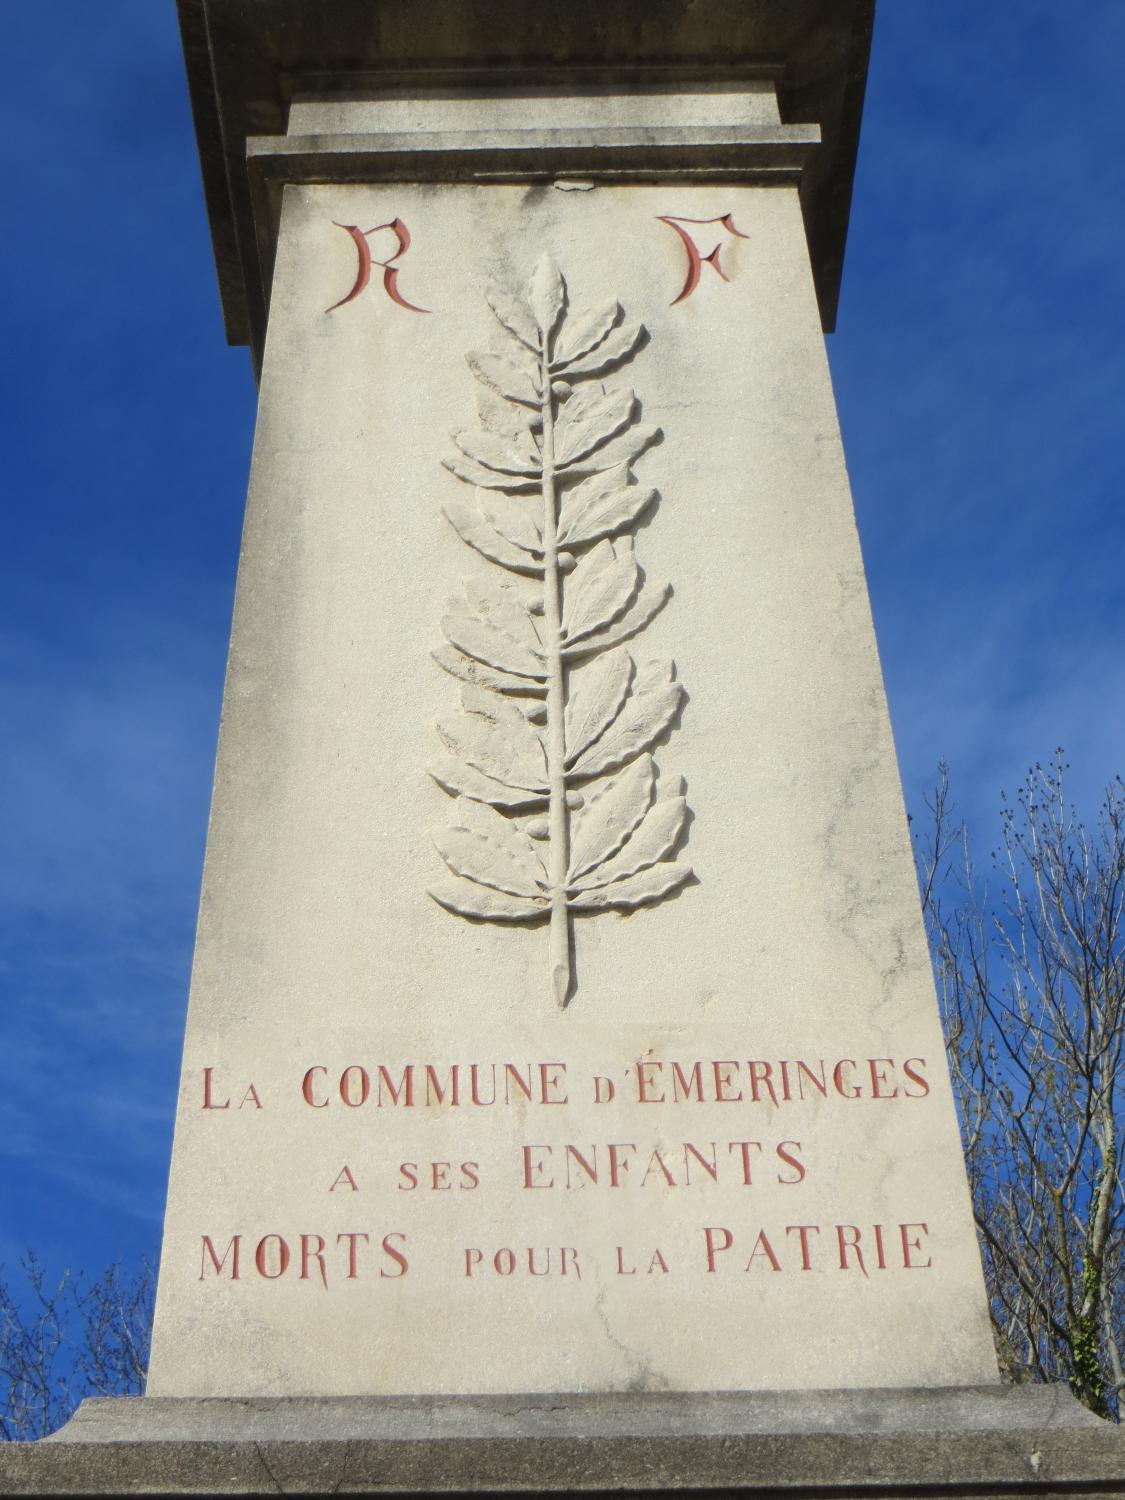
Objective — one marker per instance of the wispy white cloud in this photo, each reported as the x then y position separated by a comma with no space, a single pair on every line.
105,770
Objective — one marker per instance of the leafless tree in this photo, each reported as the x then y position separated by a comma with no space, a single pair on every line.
1030,966
61,1342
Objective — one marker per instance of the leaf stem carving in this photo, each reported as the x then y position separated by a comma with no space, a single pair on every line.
559,807
559,832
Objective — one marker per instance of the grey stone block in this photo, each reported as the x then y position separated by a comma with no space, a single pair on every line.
980,1442
246,62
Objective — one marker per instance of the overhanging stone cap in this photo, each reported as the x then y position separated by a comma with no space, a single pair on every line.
248,59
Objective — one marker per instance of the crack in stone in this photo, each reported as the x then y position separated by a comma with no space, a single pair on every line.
343,1469
854,902
644,1377
278,1486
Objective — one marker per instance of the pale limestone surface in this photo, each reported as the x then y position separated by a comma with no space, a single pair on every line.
319,947
982,1441
729,103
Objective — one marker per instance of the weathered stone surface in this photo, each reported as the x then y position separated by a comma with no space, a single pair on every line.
561,1018
246,64
321,953
571,132
687,105
982,1443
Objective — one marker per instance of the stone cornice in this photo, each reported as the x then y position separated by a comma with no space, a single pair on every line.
246,63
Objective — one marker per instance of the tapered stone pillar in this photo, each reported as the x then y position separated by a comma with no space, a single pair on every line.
560,985
564,1101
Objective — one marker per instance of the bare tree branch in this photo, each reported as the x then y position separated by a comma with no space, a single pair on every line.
61,1342
1031,983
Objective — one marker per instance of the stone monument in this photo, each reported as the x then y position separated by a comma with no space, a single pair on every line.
564,1101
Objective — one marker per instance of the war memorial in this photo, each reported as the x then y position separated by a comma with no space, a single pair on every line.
564,1106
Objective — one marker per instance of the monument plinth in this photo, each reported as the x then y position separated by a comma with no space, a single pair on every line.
564,1102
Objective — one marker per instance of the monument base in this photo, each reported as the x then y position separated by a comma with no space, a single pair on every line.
966,1441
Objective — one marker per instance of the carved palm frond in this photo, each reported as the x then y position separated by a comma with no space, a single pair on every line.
559,807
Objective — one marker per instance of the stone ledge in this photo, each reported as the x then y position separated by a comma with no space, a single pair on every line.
697,154
246,63
984,1442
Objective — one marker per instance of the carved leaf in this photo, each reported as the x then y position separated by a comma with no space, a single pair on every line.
651,598
638,890
649,709
484,846
576,497
513,520
619,345
494,647
481,818
468,670
601,587
654,840
581,334
489,479
501,451
482,860
577,406
477,700
506,610
625,448
590,419
507,376
596,700
601,505
510,756
466,781
516,318
473,527
501,709
507,421
471,900
610,814
546,292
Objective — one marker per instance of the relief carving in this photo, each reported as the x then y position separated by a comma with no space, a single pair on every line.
696,260
559,805
361,238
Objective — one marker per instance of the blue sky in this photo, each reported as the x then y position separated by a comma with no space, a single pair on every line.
980,372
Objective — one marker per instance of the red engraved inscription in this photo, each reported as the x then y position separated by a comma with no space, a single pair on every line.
361,238
696,259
